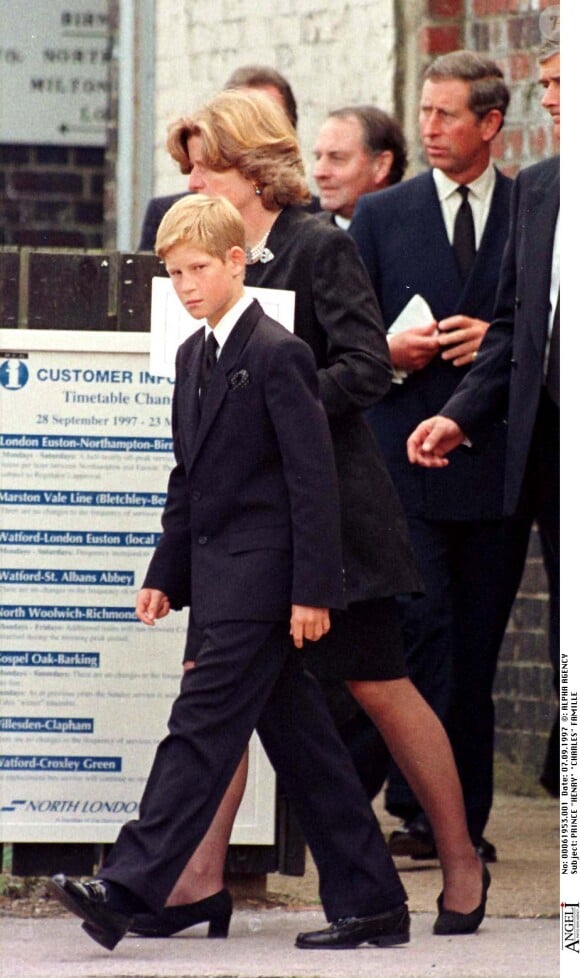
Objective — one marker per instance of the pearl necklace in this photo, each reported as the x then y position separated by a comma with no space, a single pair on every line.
259,252
255,254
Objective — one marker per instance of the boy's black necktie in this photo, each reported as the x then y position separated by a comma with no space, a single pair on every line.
464,234
208,363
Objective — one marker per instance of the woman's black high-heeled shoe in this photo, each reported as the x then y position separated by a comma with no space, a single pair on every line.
451,922
216,910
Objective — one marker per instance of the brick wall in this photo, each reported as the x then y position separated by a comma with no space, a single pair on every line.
524,697
509,32
51,196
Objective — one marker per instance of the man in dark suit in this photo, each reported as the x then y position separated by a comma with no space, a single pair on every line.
251,542
260,78
517,374
438,239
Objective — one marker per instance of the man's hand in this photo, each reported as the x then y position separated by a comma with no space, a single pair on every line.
151,604
460,338
310,623
414,348
432,440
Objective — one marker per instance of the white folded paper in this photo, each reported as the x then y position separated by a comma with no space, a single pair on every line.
416,313
171,323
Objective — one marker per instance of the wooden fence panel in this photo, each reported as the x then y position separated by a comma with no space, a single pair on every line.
9,287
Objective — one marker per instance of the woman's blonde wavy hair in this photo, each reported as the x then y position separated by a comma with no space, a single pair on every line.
249,132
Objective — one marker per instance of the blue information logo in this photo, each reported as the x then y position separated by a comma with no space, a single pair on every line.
13,375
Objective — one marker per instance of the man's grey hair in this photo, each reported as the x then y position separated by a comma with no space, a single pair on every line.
487,88
547,50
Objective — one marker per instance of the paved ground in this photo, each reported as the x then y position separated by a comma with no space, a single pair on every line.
261,946
519,937
525,880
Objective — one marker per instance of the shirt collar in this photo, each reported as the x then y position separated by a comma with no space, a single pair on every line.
222,330
342,222
480,187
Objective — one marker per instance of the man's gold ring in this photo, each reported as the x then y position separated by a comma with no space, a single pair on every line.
474,354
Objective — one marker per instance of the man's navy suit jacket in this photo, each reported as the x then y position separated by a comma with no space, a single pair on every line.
401,235
508,374
251,523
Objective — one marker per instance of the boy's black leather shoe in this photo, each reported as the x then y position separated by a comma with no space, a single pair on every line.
382,930
90,902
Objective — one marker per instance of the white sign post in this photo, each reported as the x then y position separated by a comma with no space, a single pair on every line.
86,689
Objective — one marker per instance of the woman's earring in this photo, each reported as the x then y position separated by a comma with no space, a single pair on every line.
258,191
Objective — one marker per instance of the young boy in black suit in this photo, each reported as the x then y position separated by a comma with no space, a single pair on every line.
251,543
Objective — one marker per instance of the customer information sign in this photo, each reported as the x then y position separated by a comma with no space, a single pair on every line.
85,689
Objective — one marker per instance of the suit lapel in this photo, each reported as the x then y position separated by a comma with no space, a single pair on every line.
428,218
188,395
478,279
218,386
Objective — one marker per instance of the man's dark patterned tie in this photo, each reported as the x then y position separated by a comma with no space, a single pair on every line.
464,234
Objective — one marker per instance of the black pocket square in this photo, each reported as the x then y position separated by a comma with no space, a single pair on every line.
238,380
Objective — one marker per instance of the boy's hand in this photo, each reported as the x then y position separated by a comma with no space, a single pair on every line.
309,623
151,604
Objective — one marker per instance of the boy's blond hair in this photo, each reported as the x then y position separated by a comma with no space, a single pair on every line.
211,224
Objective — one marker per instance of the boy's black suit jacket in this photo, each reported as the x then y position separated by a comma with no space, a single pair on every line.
251,522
